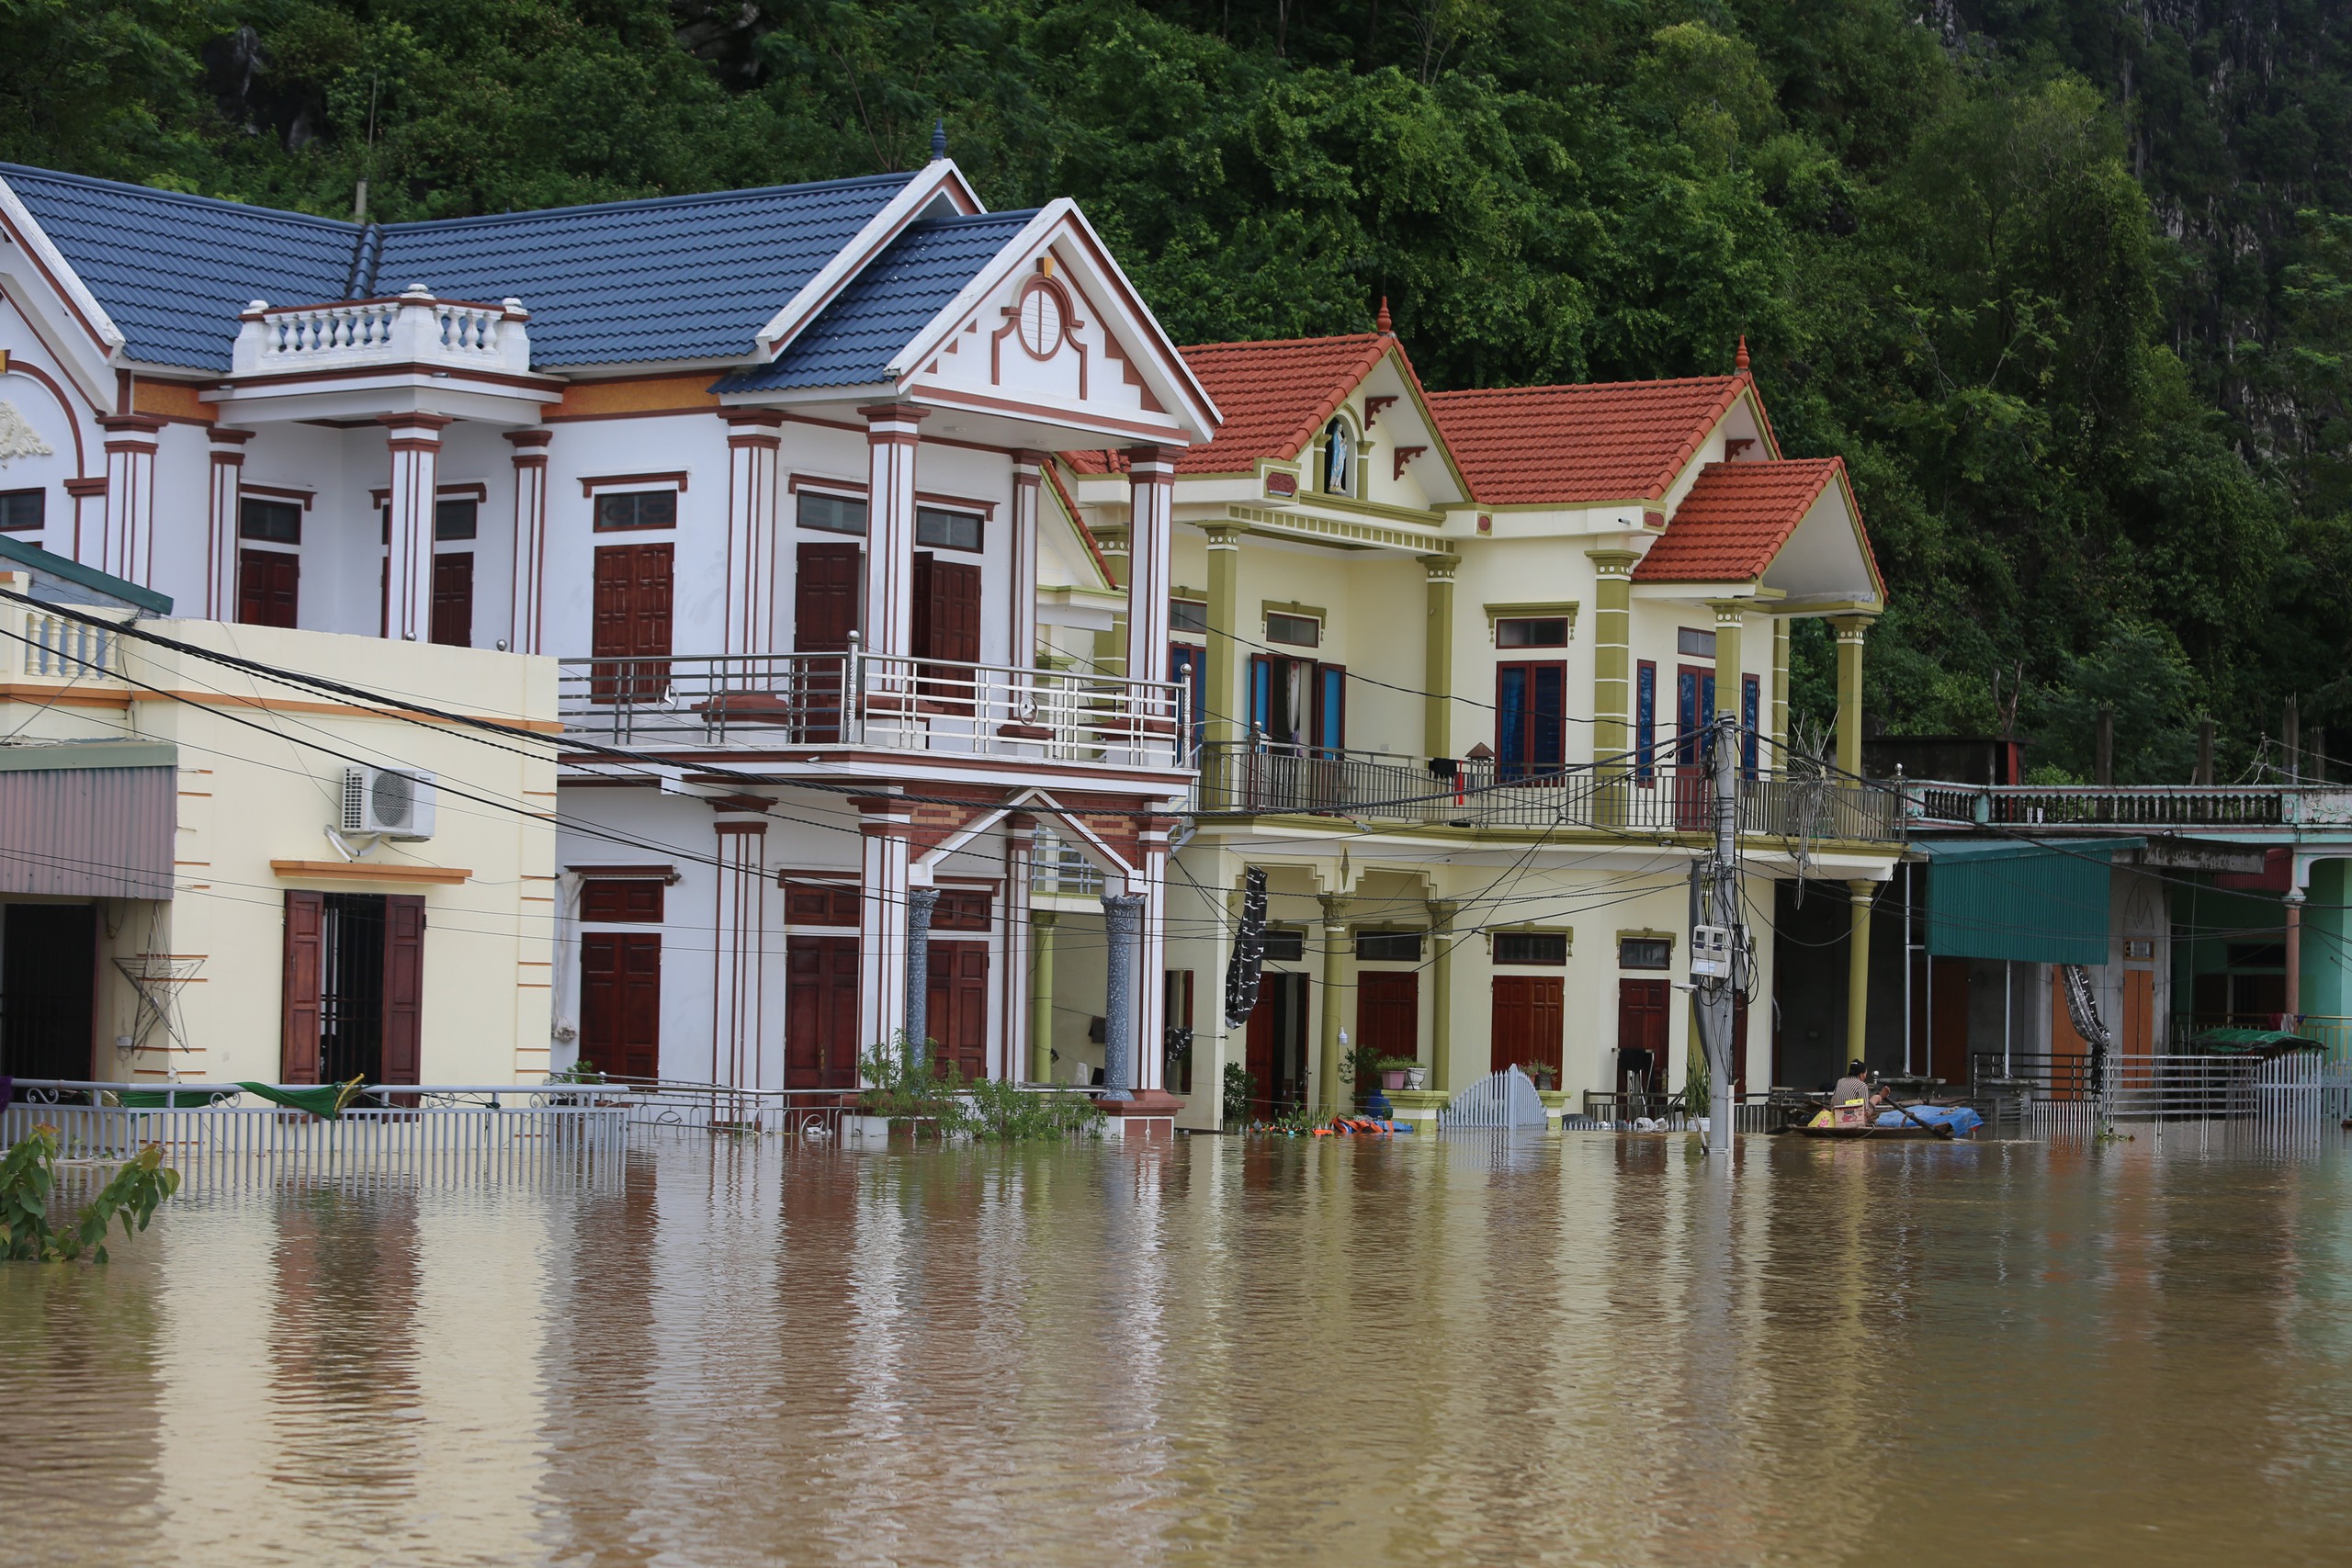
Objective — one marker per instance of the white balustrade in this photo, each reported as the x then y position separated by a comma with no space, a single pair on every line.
357,335
59,647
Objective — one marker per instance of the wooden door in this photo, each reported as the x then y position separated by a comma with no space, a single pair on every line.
453,599
826,592
2138,1035
1274,1044
821,1013
2069,1052
1388,1014
401,1060
268,586
49,985
1695,709
620,1003
631,622
957,1015
1641,1033
303,983
1530,1019
947,628
1947,1021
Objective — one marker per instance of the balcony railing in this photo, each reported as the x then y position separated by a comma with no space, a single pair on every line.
64,648
414,328
1247,779
873,701
1930,802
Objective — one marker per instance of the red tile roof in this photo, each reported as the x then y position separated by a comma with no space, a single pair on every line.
1274,397
1736,518
1574,445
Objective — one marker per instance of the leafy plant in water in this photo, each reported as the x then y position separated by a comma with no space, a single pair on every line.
1240,1086
27,1175
908,1088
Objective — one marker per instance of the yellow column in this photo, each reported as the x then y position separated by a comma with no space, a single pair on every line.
1327,1068
1780,693
1442,913
1728,613
1858,970
1224,586
1041,995
1437,660
1612,677
1849,690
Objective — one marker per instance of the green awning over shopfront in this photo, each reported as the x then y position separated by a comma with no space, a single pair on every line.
2041,903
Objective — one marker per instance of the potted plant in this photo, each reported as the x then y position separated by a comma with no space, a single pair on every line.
1416,1077
1394,1071
1541,1073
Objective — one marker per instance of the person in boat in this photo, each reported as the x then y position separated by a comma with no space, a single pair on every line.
1854,1100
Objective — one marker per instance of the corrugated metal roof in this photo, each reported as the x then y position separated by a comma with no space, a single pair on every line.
2040,903
674,278
852,339
48,758
88,832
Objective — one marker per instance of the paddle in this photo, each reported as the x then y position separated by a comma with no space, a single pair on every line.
1939,1131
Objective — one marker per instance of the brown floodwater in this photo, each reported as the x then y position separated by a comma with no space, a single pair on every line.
1570,1350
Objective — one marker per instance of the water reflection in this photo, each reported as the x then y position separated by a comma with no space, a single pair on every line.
1463,1350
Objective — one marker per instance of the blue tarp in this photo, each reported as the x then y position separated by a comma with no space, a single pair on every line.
1959,1118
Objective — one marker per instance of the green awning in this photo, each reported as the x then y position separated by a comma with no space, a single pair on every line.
2039,903
2228,1042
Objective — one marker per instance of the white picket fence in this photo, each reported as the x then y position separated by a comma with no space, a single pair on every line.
441,1135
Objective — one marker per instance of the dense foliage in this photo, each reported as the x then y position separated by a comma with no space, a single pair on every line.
28,1176
2069,283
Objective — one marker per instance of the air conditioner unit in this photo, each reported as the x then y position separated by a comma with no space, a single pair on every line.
395,802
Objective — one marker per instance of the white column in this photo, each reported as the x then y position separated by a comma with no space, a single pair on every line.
1152,490
221,524
752,440
1022,645
127,541
882,920
415,443
890,440
740,933
526,626
1151,954
1010,1057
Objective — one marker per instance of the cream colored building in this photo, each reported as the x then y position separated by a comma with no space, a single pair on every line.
179,893
1450,656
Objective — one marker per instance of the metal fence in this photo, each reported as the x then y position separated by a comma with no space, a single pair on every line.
444,1134
2149,805
2060,1092
1265,778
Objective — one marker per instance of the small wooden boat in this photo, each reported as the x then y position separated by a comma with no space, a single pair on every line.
1940,1122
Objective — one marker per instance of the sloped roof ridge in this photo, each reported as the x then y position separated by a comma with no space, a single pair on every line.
189,199
1590,386
1240,344
684,199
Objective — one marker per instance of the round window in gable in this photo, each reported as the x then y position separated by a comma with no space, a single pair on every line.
1041,322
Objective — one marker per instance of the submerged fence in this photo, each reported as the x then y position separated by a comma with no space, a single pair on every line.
2060,1092
446,1134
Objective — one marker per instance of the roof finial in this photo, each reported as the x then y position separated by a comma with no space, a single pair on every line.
939,138
1386,327
1739,360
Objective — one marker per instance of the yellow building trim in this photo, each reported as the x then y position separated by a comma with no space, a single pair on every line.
365,871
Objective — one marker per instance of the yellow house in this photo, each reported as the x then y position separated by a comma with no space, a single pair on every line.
1451,658
216,866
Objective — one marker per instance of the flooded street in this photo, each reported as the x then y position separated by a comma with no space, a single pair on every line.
1465,1350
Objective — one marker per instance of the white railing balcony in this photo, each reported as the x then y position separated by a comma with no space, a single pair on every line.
414,328
861,701
67,650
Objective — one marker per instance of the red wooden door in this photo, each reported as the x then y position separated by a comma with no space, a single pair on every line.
1529,1020
620,1003
268,586
304,982
631,622
1641,1027
453,599
1274,1045
958,1007
1388,1014
826,592
947,627
1947,1021
821,1013
402,1058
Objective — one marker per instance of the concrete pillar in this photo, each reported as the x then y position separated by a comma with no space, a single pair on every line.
527,614
1334,988
739,930
1850,630
921,901
128,540
414,441
1121,922
221,523
1858,970
1442,913
1613,670
2294,902
1728,669
1437,657
1151,481
753,437
1779,761
888,630
887,821
1040,996
1009,1061
1151,952
1028,469
1227,709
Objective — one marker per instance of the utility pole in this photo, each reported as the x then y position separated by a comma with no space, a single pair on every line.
1717,952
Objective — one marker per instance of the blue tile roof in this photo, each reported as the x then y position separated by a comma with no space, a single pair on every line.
850,342
674,278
